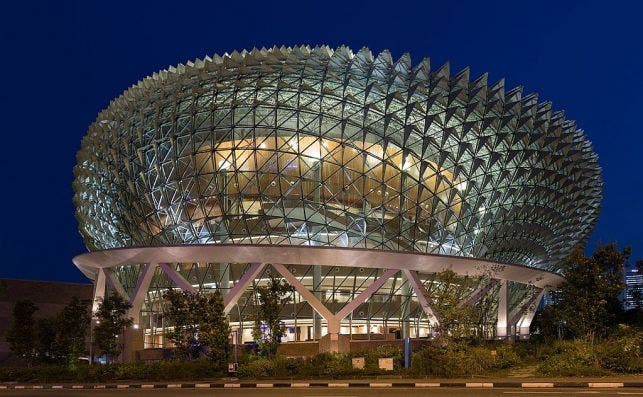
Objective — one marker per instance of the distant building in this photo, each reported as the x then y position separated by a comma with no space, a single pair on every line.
633,288
49,296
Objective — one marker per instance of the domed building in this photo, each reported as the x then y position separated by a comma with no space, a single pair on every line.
356,178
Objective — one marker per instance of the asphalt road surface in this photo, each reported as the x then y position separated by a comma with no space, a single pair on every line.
352,392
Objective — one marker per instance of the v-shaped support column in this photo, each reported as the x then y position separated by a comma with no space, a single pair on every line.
178,279
527,312
479,293
502,323
364,295
140,291
112,281
99,290
232,297
414,279
333,320
333,324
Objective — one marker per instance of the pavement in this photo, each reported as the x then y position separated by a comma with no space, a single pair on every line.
628,385
326,392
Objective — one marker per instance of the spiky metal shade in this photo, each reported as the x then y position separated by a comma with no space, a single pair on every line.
329,147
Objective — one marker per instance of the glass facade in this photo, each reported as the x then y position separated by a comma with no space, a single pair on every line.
314,146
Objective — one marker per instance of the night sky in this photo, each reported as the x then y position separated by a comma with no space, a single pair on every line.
62,63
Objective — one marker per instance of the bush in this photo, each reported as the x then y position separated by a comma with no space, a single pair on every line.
570,358
622,353
455,359
332,364
618,354
506,357
372,358
276,367
161,370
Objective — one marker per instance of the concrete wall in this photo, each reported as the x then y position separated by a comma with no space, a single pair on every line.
49,296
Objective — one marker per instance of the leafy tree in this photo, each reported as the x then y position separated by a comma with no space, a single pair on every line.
3,289
182,313
199,325
587,303
457,320
268,329
20,334
214,330
45,340
112,321
72,324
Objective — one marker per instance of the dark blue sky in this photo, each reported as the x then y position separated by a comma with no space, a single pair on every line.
62,63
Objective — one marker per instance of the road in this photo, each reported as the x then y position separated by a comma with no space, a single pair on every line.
327,392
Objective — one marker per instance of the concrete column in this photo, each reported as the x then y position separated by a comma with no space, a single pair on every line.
413,279
133,340
177,278
502,331
405,310
140,291
224,276
528,313
233,295
317,326
112,281
99,289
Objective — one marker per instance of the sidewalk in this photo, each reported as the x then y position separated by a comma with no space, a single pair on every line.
381,382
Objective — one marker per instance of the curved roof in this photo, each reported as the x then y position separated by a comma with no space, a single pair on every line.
329,147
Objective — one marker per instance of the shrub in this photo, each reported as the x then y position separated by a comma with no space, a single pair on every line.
454,359
571,358
275,367
372,358
506,357
260,368
622,353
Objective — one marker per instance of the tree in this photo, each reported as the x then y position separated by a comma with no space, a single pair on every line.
3,289
20,334
112,321
199,325
587,304
72,324
268,328
214,330
182,313
45,340
457,320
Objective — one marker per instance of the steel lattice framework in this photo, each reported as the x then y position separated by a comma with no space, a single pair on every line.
315,146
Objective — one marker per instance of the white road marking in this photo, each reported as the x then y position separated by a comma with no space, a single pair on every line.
473,384
604,384
537,384
551,392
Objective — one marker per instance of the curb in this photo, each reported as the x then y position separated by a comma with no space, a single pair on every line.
468,385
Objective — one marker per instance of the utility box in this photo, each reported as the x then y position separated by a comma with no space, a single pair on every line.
386,364
359,362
